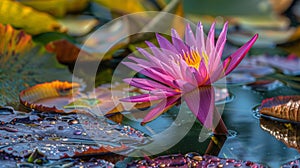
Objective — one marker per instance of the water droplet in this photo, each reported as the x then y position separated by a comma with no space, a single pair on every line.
211,165
191,155
256,114
73,122
60,127
231,134
77,132
198,158
62,148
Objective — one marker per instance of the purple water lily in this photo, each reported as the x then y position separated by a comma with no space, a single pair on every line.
184,69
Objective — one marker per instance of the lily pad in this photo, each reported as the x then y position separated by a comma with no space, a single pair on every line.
78,25
27,18
24,63
128,6
57,8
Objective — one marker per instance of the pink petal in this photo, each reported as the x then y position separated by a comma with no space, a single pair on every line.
189,36
184,86
204,76
142,61
146,84
178,43
190,77
175,34
210,41
237,56
164,43
153,63
219,47
217,73
201,102
200,38
165,55
221,40
160,108
145,53
157,61
151,73
133,66
158,76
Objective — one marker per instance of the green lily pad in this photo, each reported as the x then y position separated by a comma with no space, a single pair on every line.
83,103
24,63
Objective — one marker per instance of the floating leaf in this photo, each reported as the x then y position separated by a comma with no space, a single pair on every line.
9,115
20,16
100,150
13,42
83,103
264,85
79,25
55,136
57,8
288,65
126,7
50,96
100,12
269,22
267,38
67,52
282,107
280,6
24,63
63,97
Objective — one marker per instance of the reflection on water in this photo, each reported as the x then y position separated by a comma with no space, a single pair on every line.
252,142
288,133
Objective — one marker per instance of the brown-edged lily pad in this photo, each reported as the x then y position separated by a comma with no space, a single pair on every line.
49,96
24,63
64,97
282,107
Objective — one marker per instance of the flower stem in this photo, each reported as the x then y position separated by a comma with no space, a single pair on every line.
221,128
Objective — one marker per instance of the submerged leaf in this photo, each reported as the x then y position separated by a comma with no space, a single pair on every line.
22,63
20,16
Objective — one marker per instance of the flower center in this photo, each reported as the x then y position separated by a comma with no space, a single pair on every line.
193,58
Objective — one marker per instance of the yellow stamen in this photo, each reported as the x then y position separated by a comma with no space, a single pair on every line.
193,58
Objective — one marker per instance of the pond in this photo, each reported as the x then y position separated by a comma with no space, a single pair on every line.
67,69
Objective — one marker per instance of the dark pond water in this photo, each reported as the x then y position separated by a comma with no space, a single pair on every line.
248,142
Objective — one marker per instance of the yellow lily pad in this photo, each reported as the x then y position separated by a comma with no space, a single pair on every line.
83,103
55,7
125,7
26,18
